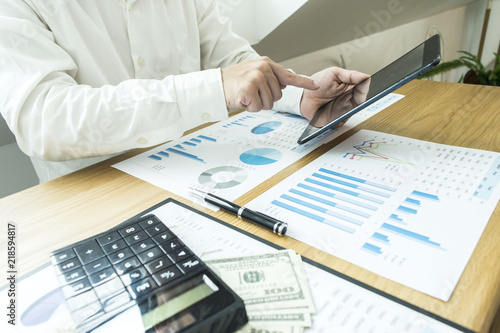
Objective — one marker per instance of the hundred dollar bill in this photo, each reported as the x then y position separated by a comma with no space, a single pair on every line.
266,281
252,328
280,317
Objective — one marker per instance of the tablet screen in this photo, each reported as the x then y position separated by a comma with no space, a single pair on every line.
391,77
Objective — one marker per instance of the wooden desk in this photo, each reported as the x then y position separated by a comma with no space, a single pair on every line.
76,206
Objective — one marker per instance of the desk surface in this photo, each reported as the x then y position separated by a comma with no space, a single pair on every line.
92,200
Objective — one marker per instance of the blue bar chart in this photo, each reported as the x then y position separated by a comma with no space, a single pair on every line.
183,148
336,199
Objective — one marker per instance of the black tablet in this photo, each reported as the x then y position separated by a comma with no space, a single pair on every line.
406,68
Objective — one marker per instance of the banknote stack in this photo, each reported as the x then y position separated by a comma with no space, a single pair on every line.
274,288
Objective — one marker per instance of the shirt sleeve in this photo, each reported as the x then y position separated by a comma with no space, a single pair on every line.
290,101
56,118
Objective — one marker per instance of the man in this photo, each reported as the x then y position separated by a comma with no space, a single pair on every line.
82,80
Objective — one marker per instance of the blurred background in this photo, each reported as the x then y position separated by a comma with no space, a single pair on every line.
307,36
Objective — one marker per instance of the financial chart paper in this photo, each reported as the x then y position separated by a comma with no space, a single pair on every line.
231,157
409,210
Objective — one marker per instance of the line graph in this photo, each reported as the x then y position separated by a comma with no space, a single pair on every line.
372,149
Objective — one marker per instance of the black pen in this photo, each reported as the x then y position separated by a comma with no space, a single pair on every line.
277,226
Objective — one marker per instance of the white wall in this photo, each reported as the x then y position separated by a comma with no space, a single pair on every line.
493,35
460,29
255,19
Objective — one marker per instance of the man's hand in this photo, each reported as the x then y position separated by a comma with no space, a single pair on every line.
332,82
256,84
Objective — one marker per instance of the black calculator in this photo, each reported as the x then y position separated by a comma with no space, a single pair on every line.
142,263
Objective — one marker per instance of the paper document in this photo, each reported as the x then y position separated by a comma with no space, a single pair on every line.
233,156
409,210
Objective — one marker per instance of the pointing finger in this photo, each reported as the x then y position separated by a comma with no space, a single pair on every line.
285,77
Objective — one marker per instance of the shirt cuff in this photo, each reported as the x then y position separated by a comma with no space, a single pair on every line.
200,97
290,101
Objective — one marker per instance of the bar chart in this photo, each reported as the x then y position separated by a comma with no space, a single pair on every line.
233,156
229,157
382,202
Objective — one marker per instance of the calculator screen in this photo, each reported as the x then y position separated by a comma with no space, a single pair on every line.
166,310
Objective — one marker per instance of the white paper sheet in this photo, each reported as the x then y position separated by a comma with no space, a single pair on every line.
409,210
232,157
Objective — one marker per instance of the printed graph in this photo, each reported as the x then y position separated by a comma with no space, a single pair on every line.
374,150
239,122
266,127
416,218
182,149
399,224
336,199
261,156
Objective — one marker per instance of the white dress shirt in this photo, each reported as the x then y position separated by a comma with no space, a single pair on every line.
83,79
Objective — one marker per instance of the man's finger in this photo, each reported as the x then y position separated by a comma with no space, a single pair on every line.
275,87
285,77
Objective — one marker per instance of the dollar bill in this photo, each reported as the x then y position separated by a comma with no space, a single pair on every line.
253,328
273,286
280,317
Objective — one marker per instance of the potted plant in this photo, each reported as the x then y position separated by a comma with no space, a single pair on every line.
477,73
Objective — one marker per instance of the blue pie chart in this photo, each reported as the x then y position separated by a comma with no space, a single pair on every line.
261,156
266,127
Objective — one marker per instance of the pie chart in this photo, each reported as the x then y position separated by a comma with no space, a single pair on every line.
222,177
261,156
266,127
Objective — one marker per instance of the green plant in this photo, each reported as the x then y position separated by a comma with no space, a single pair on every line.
477,72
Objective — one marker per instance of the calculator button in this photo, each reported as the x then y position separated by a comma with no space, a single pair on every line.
76,287
167,275
79,301
149,222
97,265
143,246
156,229
87,313
109,288
121,255
190,264
132,239
116,301
114,246
64,255
130,230
150,254
142,287
171,245
127,265
134,276
108,238
88,252
158,264
162,237
101,276
180,254
72,276
68,265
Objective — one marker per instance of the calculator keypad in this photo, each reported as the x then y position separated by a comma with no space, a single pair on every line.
117,269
